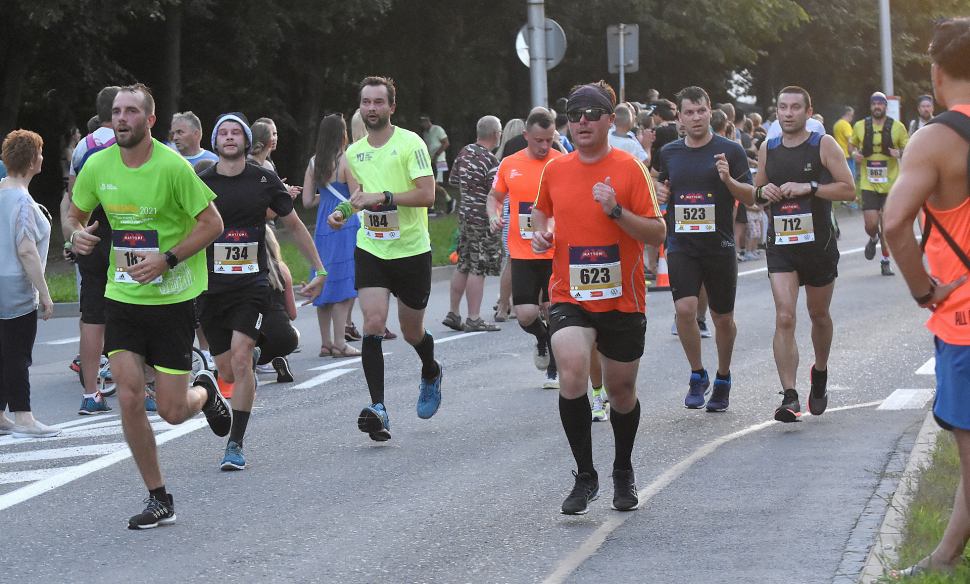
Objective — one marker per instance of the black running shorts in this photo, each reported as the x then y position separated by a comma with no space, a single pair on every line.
718,274
619,335
94,278
162,334
233,310
873,201
530,279
814,268
408,278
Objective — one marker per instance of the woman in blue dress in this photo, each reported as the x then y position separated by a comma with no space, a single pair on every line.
328,182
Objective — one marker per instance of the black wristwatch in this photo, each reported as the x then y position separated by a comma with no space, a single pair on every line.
171,259
814,188
616,212
388,197
926,297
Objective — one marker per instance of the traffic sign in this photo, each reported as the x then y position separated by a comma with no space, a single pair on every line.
555,44
631,47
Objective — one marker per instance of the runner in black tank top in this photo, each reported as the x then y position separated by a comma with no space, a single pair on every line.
800,173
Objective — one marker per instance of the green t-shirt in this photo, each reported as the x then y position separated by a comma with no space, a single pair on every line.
392,232
151,206
873,178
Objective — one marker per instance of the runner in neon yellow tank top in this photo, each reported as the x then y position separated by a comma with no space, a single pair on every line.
393,254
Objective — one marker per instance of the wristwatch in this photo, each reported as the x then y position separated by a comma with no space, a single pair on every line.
814,188
921,300
388,197
171,259
616,212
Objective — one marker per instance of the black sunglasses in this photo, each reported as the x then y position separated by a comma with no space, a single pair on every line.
592,114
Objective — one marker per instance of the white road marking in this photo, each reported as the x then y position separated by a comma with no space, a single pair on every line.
341,363
55,453
61,341
27,476
322,378
576,557
440,340
75,472
96,430
907,399
928,368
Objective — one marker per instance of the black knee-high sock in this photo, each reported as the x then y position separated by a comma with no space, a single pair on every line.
538,329
372,360
577,421
240,420
624,434
425,349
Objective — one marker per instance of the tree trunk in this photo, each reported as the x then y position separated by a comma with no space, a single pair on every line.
12,73
167,100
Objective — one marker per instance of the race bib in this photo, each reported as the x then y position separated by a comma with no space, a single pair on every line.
595,273
525,220
877,171
126,244
235,252
793,222
693,212
380,222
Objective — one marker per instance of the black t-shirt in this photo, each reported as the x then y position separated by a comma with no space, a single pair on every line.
242,201
665,134
700,211
799,164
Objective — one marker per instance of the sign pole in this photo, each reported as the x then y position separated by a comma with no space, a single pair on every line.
537,51
622,64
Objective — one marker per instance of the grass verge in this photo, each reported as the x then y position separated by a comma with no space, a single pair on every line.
930,511
62,286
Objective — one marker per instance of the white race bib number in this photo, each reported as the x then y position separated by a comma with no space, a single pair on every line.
877,171
127,244
236,252
525,220
381,222
793,222
595,272
694,212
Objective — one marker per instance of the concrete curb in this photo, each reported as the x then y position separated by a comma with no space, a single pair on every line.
73,309
884,553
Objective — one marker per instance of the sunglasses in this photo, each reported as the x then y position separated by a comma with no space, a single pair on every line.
592,114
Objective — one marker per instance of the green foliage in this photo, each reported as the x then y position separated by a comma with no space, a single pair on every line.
442,230
62,286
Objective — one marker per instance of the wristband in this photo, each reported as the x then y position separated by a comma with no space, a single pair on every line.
67,244
72,236
921,300
494,217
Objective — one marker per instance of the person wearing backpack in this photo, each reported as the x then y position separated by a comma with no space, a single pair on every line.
934,177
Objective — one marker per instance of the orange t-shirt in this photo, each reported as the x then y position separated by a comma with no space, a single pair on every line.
951,319
518,175
596,264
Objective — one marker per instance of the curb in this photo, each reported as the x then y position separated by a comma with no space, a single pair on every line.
73,309
883,554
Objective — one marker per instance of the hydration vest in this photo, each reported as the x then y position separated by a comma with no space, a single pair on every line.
887,137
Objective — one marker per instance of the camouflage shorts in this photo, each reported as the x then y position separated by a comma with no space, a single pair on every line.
479,250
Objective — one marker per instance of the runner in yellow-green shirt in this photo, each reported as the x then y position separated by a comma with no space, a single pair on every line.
393,254
161,217
877,144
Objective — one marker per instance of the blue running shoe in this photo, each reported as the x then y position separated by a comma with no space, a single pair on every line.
90,407
373,421
234,459
720,395
697,391
150,404
430,397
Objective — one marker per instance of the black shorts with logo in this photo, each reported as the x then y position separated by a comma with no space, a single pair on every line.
408,278
619,335
530,280
162,334
234,310
815,268
718,274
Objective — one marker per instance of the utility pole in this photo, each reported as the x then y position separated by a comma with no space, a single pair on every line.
622,64
537,51
885,43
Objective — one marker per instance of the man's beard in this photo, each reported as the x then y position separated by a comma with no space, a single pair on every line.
135,135
239,153
380,124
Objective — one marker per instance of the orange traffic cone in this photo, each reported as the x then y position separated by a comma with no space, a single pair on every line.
663,280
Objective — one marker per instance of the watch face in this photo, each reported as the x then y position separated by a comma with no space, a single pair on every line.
615,213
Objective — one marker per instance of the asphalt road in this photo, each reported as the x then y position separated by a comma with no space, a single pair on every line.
473,494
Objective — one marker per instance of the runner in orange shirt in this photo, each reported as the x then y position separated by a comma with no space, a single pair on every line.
605,209
518,179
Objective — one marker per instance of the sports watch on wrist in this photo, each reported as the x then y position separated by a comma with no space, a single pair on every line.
814,186
388,197
921,300
171,259
616,212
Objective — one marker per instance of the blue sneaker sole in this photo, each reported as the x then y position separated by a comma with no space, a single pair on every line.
371,424
232,466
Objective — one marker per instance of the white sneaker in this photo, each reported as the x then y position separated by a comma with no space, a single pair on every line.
267,368
209,363
35,430
6,425
600,407
540,359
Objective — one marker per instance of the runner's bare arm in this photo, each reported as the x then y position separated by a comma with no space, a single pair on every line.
304,242
648,230
542,234
743,192
207,228
75,231
919,178
422,195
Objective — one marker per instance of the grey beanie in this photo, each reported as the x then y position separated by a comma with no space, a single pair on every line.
233,117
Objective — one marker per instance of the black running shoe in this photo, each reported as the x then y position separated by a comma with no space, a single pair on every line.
625,496
818,398
789,410
158,512
216,409
870,251
585,490
283,373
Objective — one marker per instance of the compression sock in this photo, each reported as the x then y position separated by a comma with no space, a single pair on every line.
158,494
577,421
372,360
240,420
538,329
425,349
624,434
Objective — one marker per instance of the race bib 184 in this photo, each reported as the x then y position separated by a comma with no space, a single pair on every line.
126,245
380,222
